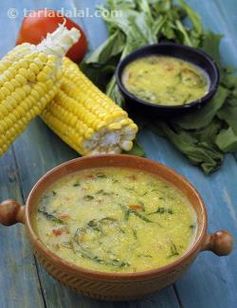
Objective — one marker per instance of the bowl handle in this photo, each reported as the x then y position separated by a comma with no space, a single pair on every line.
11,213
220,242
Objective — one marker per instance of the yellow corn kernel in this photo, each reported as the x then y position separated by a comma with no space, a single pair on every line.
115,126
23,71
9,86
86,118
29,81
21,79
34,68
5,91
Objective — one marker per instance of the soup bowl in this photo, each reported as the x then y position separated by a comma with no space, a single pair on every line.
191,55
115,286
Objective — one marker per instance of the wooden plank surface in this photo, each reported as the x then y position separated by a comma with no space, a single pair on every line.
211,281
19,284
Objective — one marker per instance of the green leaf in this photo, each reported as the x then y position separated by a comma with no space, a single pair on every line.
208,134
186,39
113,92
112,47
101,76
211,45
229,114
229,80
201,118
205,155
140,29
121,4
137,150
144,7
193,16
158,25
226,140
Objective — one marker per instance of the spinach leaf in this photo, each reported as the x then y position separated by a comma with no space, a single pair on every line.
205,115
112,47
87,253
193,16
200,153
210,44
162,210
137,150
229,114
226,140
173,250
50,216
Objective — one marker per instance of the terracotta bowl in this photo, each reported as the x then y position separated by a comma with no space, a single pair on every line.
115,286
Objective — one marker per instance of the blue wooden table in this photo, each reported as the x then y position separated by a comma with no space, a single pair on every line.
210,282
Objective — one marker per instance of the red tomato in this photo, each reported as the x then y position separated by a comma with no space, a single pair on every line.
36,26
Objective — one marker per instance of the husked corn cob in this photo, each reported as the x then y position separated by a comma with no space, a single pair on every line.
29,79
85,118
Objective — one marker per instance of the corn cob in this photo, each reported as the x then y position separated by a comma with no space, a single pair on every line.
85,118
29,79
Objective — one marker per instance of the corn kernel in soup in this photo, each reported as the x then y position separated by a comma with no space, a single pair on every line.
115,220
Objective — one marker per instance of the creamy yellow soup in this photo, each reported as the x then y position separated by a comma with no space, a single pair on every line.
115,220
165,80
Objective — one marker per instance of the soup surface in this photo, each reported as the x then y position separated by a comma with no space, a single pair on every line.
165,80
115,220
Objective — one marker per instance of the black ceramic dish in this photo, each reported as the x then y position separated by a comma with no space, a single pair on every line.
192,55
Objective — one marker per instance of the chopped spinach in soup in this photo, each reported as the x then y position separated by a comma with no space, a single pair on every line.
115,220
165,80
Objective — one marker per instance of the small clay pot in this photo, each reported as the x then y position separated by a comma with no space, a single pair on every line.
115,286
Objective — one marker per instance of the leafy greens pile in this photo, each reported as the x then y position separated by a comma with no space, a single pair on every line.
204,135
